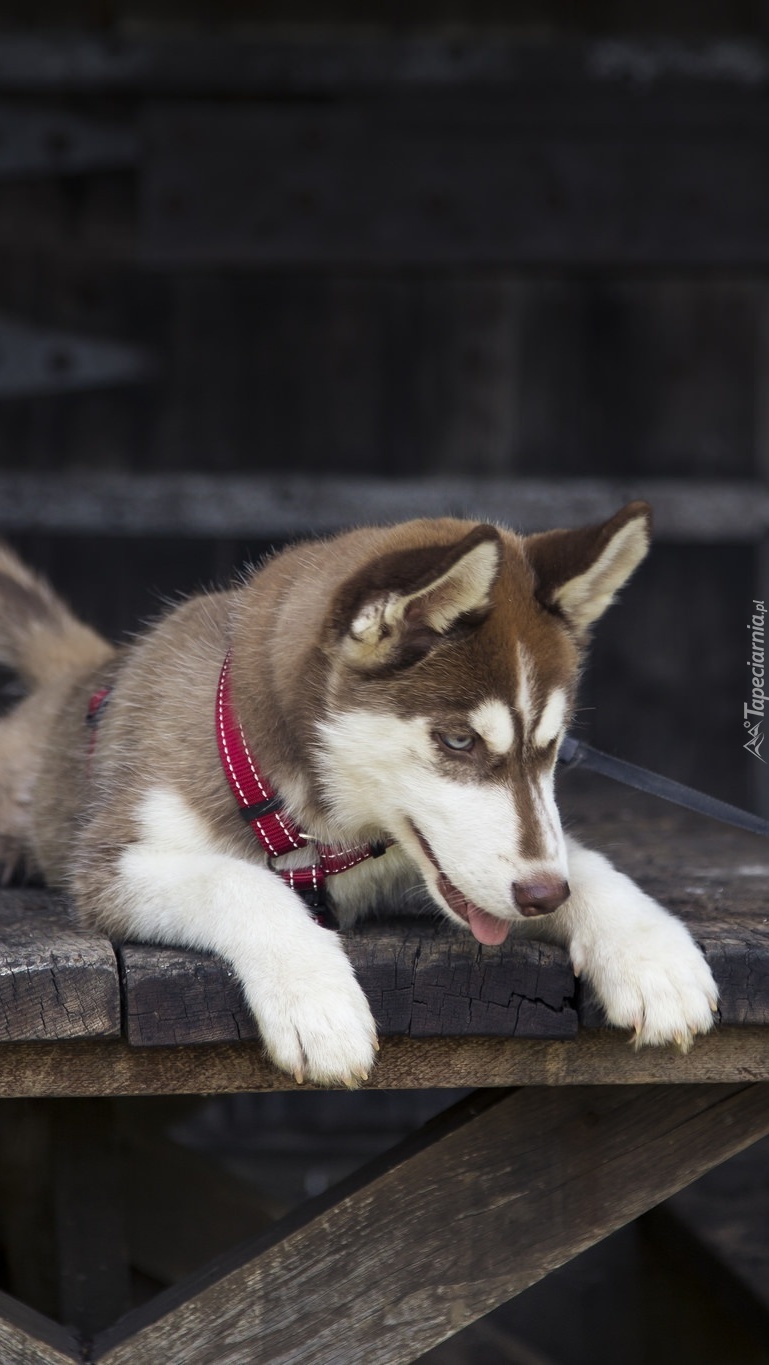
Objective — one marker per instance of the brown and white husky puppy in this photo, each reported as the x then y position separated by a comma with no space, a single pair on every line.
404,688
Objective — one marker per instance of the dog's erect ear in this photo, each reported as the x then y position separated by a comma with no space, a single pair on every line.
396,609
579,572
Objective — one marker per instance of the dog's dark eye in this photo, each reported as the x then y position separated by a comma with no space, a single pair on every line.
457,741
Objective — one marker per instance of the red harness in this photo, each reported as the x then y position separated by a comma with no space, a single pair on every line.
260,805
262,808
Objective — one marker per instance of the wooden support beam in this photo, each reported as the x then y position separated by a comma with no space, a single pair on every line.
264,64
685,510
28,1338
595,1057
384,1268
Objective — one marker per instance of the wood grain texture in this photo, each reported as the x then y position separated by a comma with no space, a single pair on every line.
431,1264
204,505
28,1338
429,982
422,981
56,979
261,61
595,1057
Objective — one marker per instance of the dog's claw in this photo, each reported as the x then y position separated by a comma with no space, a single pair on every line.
683,1042
299,1076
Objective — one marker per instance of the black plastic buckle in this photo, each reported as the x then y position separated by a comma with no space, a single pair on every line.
261,808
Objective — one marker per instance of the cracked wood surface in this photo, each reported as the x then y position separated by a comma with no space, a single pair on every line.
57,980
424,979
428,980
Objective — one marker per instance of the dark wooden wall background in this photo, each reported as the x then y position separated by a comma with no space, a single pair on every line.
466,240
448,239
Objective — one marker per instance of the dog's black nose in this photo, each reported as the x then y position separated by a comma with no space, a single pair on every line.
542,897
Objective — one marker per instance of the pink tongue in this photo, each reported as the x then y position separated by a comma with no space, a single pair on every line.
485,927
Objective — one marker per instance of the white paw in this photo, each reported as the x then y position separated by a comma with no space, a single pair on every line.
649,975
314,1019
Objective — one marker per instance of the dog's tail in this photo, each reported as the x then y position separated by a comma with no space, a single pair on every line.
40,639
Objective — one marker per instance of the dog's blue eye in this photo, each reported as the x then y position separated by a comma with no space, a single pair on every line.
460,743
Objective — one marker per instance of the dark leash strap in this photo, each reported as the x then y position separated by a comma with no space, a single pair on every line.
575,753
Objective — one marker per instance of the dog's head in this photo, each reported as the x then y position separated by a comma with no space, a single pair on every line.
454,660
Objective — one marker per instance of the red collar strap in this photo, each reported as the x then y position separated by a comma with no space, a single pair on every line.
262,808
96,705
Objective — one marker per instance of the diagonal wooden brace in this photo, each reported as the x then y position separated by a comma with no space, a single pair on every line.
487,1200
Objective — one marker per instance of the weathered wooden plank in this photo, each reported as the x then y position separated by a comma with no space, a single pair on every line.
421,980
594,1057
231,505
28,1338
173,997
449,181
432,1265
56,979
341,62
427,981
272,64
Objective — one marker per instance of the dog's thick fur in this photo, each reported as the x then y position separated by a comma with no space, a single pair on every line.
411,683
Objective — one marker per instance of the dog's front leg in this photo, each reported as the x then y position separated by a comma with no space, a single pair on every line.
173,886
642,964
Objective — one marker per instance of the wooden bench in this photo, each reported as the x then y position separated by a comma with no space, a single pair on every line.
568,1134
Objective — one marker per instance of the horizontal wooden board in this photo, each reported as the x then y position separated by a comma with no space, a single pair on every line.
430,982
570,180
56,979
421,981
596,1056
700,511
335,60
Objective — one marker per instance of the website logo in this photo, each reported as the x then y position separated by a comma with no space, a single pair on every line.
754,711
